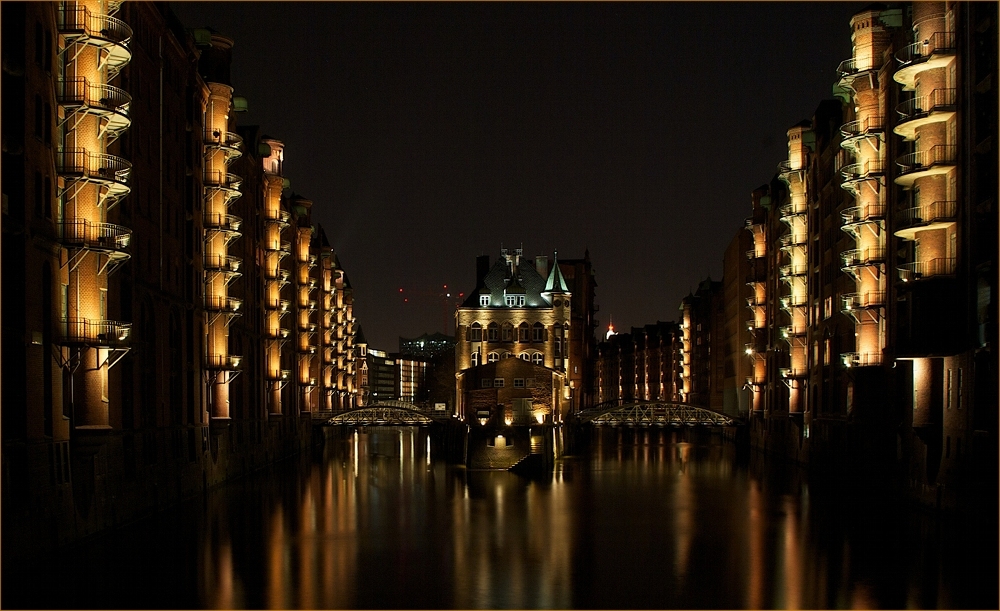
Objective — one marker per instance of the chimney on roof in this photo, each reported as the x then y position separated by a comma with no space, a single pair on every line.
482,268
542,265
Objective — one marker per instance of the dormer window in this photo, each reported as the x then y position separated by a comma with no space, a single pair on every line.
511,300
484,300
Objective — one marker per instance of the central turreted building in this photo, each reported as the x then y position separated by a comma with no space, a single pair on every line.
515,342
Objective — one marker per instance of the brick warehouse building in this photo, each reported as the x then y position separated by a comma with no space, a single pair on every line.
873,265
172,315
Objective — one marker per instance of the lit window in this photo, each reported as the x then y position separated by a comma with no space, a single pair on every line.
498,383
518,382
484,300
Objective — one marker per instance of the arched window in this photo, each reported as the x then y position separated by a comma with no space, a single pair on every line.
537,332
475,359
524,356
477,332
493,357
507,332
506,355
523,334
493,332
538,358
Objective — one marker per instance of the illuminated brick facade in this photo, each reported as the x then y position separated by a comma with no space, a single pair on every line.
520,309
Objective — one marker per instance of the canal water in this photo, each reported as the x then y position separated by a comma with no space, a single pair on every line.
659,520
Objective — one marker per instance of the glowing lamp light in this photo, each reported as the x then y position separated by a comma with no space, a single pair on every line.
508,420
749,351
539,417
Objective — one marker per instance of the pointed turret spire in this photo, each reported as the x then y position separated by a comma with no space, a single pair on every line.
556,283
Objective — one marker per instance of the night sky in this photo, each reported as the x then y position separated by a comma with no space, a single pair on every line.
427,134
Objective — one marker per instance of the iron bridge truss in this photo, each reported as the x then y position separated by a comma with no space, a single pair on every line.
655,413
387,413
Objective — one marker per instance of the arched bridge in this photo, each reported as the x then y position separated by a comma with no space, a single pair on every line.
653,413
385,413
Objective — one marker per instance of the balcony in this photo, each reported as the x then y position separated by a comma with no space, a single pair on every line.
277,304
854,132
228,142
278,375
936,215
752,254
222,303
789,373
921,270
104,237
223,362
855,173
229,223
109,171
790,212
794,301
222,263
307,327
277,333
786,169
792,240
939,159
851,302
849,69
280,217
790,270
93,332
228,184
937,51
861,359
307,349
110,103
78,25
855,258
935,107
858,215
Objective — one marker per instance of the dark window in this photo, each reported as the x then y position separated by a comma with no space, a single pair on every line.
493,331
538,332
39,117
48,123
477,333
523,333
46,199
39,196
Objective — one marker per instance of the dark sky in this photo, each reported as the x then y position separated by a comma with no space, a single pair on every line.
430,133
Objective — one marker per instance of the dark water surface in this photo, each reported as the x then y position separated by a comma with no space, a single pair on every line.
376,522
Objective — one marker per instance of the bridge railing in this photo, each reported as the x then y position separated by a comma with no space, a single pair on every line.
657,413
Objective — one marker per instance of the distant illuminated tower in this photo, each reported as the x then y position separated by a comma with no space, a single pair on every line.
91,181
864,138
757,303
795,244
220,190
611,329
275,278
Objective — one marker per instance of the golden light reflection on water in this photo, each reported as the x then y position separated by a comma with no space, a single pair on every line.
377,523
